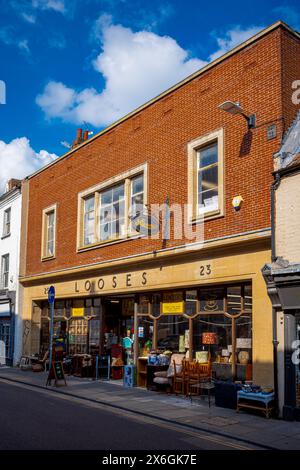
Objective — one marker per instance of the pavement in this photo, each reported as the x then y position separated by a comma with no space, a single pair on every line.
244,427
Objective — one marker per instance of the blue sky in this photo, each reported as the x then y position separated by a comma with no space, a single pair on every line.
70,62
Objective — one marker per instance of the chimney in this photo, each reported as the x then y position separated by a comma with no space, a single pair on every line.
85,135
13,184
78,139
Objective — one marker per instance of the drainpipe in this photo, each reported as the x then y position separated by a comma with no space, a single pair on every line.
274,187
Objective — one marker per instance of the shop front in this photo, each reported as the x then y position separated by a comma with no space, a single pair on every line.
209,307
283,285
6,328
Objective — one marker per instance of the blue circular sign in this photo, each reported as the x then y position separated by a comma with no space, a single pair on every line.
51,294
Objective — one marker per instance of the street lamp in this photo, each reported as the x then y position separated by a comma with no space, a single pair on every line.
235,108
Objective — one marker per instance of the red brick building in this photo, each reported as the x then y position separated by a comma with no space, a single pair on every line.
109,278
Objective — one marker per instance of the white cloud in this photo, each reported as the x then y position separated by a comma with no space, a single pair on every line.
233,38
9,37
18,159
56,5
136,66
28,17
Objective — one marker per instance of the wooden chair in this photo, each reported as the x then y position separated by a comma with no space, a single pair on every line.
179,378
195,373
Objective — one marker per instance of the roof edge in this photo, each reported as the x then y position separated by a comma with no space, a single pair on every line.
178,85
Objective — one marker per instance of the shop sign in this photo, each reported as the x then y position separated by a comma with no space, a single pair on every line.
172,304
78,311
145,224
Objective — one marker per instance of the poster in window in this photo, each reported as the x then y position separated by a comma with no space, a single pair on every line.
172,303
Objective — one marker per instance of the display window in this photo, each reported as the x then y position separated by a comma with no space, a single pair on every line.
145,329
173,333
76,325
211,324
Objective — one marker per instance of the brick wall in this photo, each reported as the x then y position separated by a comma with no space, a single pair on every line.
252,76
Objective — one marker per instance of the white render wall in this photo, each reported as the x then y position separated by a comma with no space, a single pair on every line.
11,245
288,219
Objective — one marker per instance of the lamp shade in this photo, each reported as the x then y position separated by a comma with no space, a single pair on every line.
209,338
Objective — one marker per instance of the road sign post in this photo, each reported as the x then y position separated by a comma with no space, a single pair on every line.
51,299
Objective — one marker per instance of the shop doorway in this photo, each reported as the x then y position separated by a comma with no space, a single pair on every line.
5,343
119,332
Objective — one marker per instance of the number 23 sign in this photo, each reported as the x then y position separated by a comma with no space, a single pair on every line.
205,270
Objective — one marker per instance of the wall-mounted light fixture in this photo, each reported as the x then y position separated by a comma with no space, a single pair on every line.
235,108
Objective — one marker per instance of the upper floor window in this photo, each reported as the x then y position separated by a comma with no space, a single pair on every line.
4,271
6,222
205,176
49,232
106,210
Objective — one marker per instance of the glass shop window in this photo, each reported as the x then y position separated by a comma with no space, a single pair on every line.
173,333
248,297
212,338
88,303
156,300
78,336
234,299
243,327
97,306
212,300
191,302
94,336
144,336
59,308
143,304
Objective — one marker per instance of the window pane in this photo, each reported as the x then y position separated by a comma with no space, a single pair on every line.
208,201
118,192
172,333
191,302
207,155
106,197
208,179
234,299
144,335
89,220
138,184
212,300
112,213
89,204
50,234
213,333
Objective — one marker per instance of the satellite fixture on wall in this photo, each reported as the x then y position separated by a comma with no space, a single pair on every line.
235,108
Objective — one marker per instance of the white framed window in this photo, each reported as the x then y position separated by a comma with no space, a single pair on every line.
4,271
207,179
49,232
205,176
105,211
6,222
